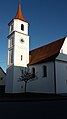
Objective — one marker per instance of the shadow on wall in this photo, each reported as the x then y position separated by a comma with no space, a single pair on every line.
2,89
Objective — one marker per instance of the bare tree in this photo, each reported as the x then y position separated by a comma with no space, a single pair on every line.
26,76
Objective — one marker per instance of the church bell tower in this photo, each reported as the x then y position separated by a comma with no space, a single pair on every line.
18,52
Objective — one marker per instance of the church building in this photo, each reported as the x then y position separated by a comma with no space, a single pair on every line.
48,62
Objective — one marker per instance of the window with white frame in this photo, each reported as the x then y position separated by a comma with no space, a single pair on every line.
11,27
11,42
11,56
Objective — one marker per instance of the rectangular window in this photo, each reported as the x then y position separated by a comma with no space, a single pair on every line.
11,42
11,28
33,72
22,71
44,71
21,57
11,56
22,27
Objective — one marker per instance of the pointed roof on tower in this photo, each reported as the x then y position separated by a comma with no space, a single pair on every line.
19,13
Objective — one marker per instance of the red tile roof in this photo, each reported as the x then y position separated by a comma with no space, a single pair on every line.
47,52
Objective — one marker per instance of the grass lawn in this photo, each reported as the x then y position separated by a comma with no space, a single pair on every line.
30,97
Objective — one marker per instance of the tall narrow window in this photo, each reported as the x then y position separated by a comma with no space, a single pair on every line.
22,71
21,57
11,27
33,72
9,43
11,56
12,41
22,27
44,71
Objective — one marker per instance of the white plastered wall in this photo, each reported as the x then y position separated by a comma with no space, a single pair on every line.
64,47
61,69
21,49
42,84
17,26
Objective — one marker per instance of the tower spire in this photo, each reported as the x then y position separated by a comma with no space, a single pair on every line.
19,13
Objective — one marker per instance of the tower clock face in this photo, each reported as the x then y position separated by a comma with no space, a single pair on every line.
22,40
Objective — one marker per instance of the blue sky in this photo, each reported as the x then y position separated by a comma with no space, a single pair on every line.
47,19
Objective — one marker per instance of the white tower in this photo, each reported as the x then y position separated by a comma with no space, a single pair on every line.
18,52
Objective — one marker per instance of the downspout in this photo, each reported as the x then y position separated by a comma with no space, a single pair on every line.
55,76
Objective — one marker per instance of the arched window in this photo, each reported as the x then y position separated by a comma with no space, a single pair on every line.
44,71
33,72
22,27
